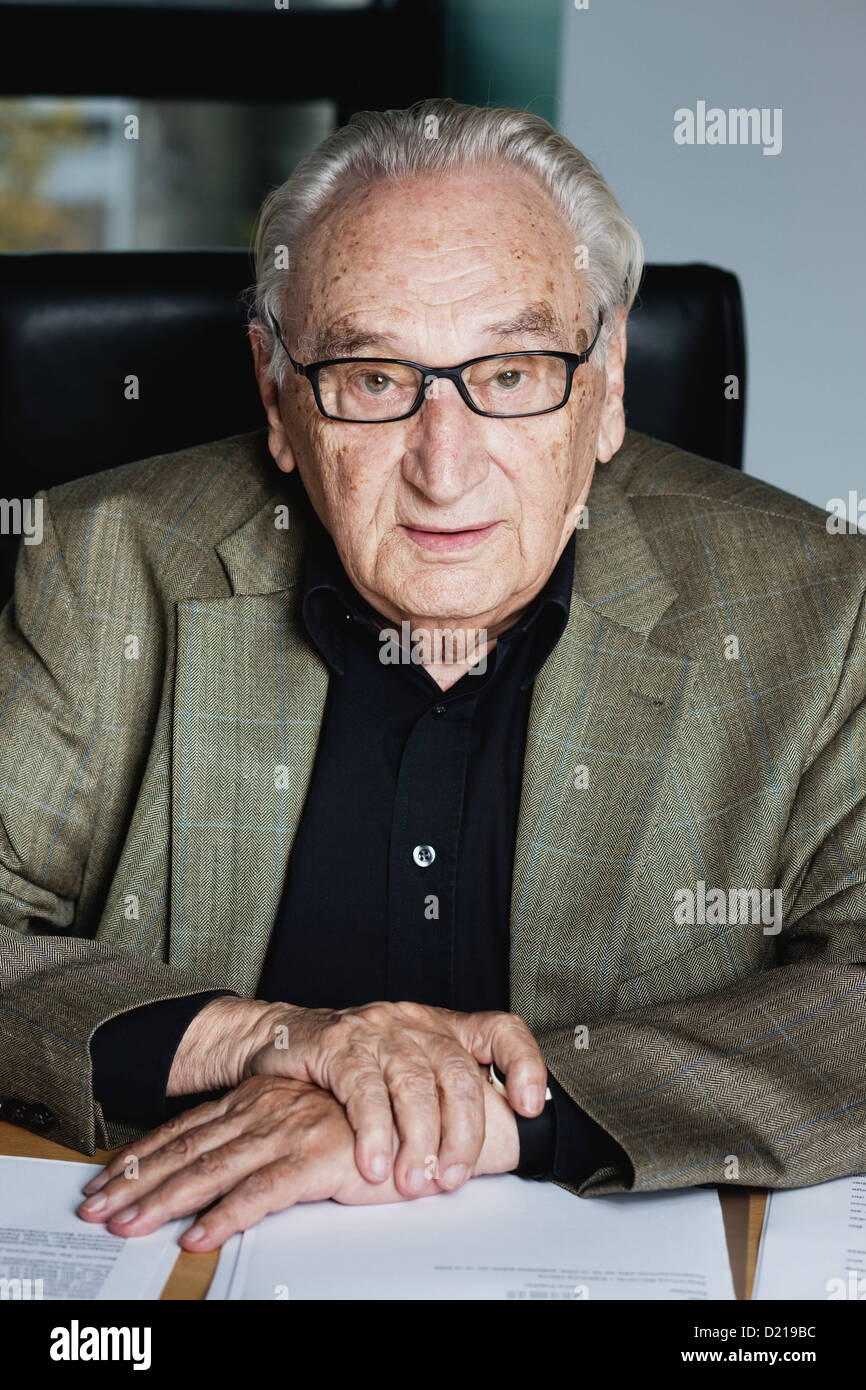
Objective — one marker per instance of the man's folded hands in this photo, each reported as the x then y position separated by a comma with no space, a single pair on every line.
380,1103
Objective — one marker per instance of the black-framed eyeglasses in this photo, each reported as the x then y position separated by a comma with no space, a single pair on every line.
374,390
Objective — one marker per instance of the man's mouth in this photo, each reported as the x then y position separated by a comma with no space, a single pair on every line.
442,540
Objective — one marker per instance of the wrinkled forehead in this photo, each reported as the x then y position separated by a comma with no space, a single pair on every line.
457,245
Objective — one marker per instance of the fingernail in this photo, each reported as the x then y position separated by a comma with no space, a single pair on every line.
454,1175
197,1232
379,1166
416,1179
128,1214
95,1203
533,1098
95,1183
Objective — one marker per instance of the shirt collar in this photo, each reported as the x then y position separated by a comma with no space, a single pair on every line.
329,601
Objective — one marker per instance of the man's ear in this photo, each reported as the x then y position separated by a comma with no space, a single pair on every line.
278,440
611,422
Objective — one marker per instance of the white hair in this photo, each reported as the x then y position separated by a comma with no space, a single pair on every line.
437,136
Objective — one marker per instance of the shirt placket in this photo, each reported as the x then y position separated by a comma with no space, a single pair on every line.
423,853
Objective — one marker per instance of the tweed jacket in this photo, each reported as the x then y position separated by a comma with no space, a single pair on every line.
699,726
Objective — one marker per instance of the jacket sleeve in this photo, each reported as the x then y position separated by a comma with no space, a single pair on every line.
762,1084
57,983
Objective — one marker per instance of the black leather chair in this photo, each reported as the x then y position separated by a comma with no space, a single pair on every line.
74,327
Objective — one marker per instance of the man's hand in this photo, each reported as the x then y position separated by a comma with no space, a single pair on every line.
268,1144
412,1063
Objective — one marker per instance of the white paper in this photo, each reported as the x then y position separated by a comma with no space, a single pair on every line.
499,1237
221,1283
42,1238
813,1244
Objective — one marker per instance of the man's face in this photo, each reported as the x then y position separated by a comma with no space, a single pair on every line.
447,518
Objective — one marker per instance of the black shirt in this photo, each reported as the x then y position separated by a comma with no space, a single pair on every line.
399,881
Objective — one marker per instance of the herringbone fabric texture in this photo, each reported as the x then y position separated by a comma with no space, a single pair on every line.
160,707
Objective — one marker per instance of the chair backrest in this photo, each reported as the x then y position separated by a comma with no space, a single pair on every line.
685,368
106,357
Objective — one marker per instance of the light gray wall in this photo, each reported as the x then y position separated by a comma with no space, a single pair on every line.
792,226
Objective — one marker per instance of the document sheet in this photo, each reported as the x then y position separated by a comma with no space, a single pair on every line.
813,1244
498,1237
46,1251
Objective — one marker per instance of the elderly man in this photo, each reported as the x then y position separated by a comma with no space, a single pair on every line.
479,731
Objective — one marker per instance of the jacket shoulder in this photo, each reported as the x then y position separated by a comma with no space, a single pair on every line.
747,558
164,513
757,517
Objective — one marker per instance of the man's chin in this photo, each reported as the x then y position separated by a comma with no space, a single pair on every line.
450,601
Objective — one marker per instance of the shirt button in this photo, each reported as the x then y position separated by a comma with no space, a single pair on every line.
423,855
438,711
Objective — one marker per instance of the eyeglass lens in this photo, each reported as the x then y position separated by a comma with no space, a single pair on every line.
513,385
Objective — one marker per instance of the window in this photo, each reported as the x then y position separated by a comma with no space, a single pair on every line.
133,173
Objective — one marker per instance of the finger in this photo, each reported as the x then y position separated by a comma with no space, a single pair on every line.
415,1102
275,1187
128,1160
462,1117
518,1057
506,1040
192,1154
186,1191
364,1095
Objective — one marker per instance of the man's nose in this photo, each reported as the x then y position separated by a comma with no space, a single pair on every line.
445,452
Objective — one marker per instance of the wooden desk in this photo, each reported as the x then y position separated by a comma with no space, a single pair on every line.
742,1211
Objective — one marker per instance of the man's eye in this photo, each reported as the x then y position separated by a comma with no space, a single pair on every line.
509,378
375,383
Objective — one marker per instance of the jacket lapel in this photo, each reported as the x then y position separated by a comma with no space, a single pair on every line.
249,696
604,713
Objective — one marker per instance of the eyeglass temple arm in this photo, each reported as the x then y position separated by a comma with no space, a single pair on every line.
585,355
275,326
